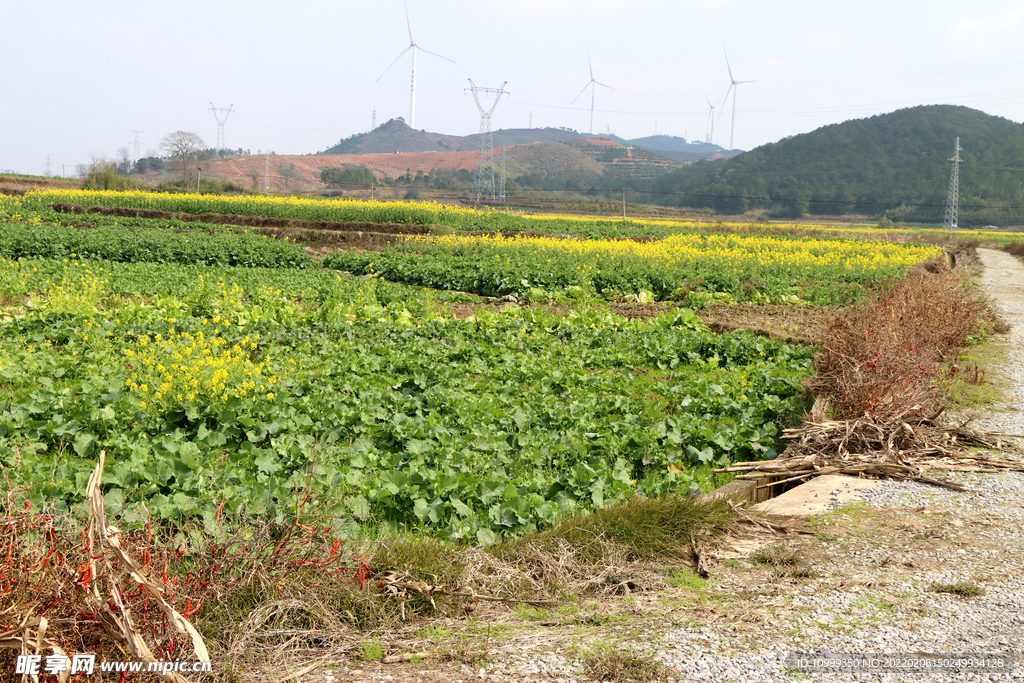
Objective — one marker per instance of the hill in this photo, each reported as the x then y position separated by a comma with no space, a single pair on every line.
537,158
550,164
894,164
302,172
396,136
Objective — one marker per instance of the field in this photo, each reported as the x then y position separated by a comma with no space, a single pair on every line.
314,448
225,372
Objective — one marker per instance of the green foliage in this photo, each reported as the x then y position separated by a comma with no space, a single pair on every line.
347,178
377,409
120,243
103,175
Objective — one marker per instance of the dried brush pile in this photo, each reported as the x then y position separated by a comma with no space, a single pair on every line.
904,447
877,392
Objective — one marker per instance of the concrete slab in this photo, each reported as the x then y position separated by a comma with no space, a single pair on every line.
817,495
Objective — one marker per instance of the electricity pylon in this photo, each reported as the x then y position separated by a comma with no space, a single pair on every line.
483,176
953,199
220,123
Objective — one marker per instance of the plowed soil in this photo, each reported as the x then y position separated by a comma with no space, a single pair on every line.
308,167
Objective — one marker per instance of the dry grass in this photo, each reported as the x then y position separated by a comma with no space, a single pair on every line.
608,663
963,589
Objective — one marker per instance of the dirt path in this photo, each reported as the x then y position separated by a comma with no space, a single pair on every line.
1003,281
909,569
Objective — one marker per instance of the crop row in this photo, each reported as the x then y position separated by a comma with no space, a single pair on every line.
431,213
258,205
751,267
120,243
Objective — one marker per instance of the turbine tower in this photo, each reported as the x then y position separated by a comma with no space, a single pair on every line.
592,84
220,123
414,47
953,200
733,89
483,176
711,121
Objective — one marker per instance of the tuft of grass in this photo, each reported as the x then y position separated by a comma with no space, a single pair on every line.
440,561
784,562
776,556
965,589
645,528
605,662
687,579
371,650
965,382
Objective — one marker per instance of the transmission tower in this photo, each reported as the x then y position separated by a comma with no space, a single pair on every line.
266,173
953,200
220,122
483,177
137,142
501,177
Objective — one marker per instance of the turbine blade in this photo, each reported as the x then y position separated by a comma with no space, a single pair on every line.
408,23
423,49
590,64
582,91
605,86
725,100
400,55
727,66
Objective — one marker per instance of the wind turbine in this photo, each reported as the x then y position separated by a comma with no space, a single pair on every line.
733,89
414,47
593,86
711,119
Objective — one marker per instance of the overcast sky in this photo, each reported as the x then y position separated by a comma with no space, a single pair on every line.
80,77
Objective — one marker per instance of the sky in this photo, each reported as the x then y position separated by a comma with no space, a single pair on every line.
83,80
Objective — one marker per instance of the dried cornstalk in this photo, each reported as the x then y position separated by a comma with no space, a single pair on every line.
119,624
23,640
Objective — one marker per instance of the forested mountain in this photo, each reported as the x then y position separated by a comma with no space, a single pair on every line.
893,164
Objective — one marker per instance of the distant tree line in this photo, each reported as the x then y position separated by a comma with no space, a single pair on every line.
895,165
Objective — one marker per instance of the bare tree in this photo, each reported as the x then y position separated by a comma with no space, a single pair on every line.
124,160
184,149
288,173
